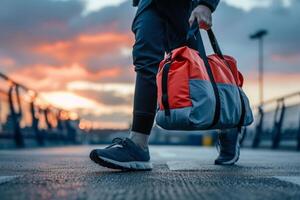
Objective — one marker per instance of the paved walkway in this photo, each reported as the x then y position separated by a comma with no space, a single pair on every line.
179,173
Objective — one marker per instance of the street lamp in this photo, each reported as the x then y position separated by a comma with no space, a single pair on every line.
259,35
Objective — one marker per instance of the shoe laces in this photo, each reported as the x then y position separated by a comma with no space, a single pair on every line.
117,141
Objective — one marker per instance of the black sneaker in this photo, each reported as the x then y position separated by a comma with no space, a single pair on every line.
122,154
229,147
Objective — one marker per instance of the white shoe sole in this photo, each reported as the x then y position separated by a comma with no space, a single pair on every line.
136,165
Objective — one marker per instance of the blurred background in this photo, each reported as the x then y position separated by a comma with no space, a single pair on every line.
66,73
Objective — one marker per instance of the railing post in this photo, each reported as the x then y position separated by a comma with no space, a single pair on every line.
46,112
298,137
71,132
35,121
278,124
19,140
259,128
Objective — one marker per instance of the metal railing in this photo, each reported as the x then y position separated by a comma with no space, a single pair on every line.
25,115
276,121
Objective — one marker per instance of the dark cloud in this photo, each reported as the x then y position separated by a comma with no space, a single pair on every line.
233,27
108,18
49,20
27,24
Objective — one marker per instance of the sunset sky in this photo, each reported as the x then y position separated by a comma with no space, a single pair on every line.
78,53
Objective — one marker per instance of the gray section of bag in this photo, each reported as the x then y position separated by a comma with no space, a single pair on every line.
248,111
200,115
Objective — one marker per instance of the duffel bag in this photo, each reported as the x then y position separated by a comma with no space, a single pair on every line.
199,92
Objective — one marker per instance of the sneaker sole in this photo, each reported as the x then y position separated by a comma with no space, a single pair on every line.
125,166
236,156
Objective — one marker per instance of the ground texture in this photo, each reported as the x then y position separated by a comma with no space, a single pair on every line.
179,173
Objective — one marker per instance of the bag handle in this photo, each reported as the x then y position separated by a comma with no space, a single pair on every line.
192,35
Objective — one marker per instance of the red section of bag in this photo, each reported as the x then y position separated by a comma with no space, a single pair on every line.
225,71
186,65
178,78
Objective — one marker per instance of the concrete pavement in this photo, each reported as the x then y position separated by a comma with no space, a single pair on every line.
179,173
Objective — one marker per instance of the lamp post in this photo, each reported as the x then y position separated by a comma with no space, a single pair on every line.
259,35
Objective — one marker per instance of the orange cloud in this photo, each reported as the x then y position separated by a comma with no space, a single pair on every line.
103,38
46,77
7,62
290,58
275,77
68,100
275,85
84,46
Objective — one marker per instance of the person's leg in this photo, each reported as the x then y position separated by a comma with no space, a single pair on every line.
148,51
132,153
151,43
